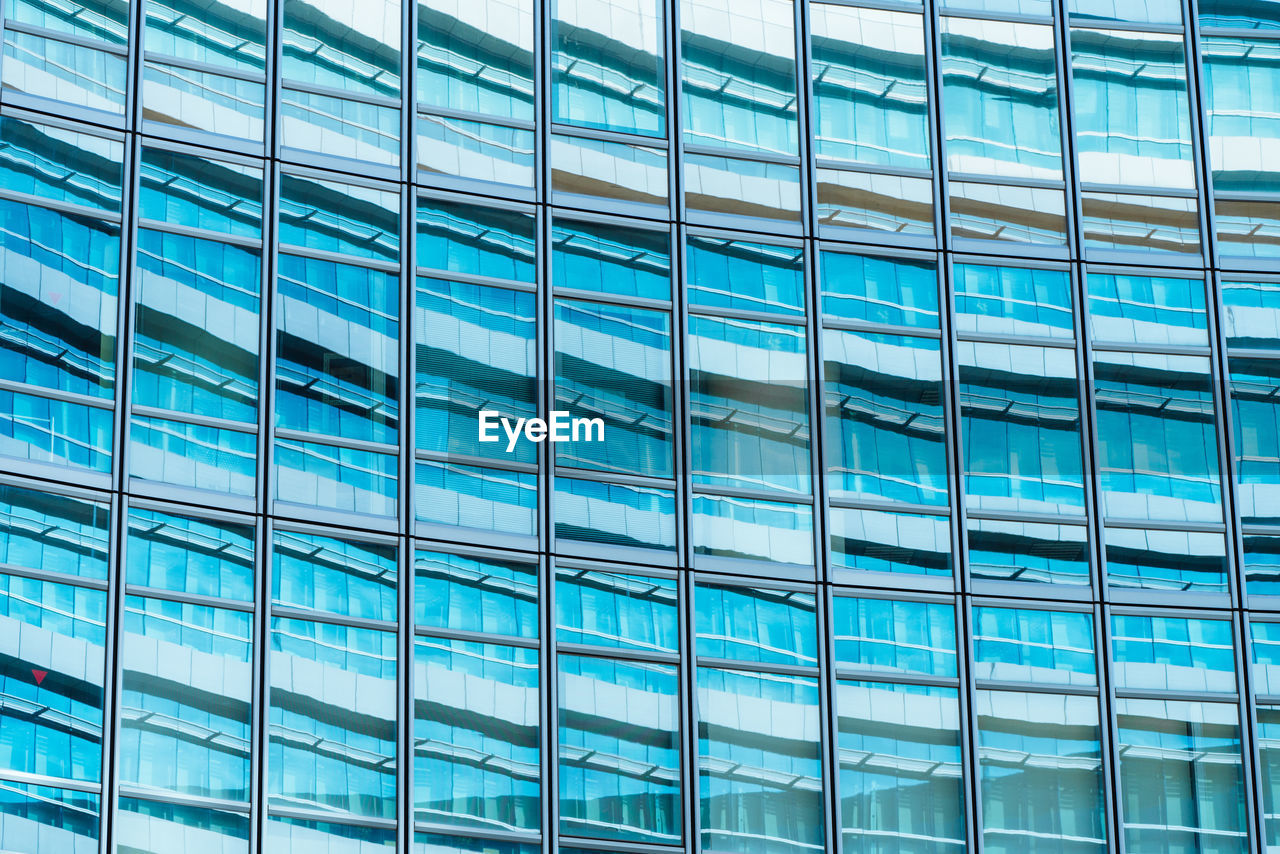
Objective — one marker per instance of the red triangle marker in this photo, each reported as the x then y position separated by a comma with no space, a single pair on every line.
39,674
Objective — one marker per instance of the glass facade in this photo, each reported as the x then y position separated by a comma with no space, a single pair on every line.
935,506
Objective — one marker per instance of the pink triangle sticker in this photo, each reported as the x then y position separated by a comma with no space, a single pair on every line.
39,674
55,298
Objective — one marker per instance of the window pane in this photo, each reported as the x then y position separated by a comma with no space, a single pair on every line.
981,211
194,456
1243,81
190,555
303,836
886,636
344,577
1269,759
1262,568
1160,311
336,217
753,530
476,151
1265,642
1028,551
760,191
1172,654
473,497
611,259
1181,776
72,73
343,46
186,699
1020,416
872,201
1000,97
1245,14
619,750
338,127
154,827
41,820
885,428
1255,410
891,291
51,676
1013,301
223,34
766,626
1166,560
1025,645
61,165
343,479
869,97
54,533
759,763
738,274
333,719
590,170
748,384
1121,222
608,66
201,100
477,56
475,594
1251,315
613,365
182,189
619,514
1139,12
901,784
475,732
477,240
51,431
609,609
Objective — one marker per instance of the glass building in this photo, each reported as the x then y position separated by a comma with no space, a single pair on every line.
938,353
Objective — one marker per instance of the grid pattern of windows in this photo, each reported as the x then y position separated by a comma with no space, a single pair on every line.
937,351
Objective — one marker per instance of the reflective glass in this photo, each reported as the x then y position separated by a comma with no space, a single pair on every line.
1135,11
760,625
97,20
184,189
869,98
200,100
614,610
1268,735
982,211
901,784
477,151
289,835
1251,314
594,170
61,165
748,389
1246,14
1247,228
885,427
611,259
876,541
1020,418
194,456
497,328
613,366
1166,560
1265,642
607,65
1040,773
344,577
1157,444
475,594
51,677
472,497
42,820
343,479
59,282
196,326
339,127
759,762
591,511
51,431
752,529
187,554
337,349
1125,309
1027,645
1132,122
1012,301
1172,654
71,73
739,74
349,46
1242,78
54,533
155,827
755,189
476,240
1261,568
222,34
332,724
1000,98
738,274
186,699
619,749
1028,551
869,200
1181,776
888,636
335,217
1111,221
477,56
891,291
475,734
435,843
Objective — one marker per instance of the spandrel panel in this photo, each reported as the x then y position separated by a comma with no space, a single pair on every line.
158,827
751,529
615,259
188,100
61,71
195,456
187,190
1159,311
1190,561
1255,415
614,514
1172,654
1042,552
881,290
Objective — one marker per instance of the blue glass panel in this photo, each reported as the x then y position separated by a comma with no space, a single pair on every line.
1247,228
740,274
1013,301
477,56
1115,222
475,594
186,698
193,455
336,217
1135,11
41,820
592,511
982,211
99,20
436,843
344,479
59,280
1172,654
611,259
1026,645
876,541
1243,81
196,326
894,291
225,33
613,368
752,529
51,676
332,724
54,533
344,577
888,636
1240,14
1261,569
156,827
1166,560
602,169
342,47
339,127
472,497
1265,642
1147,310
611,609
338,350
62,165
476,735
190,555
1251,314
51,431
898,204
184,189
760,625
764,191
482,241
1042,552
203,101
619,749
76,74
287,835
476,151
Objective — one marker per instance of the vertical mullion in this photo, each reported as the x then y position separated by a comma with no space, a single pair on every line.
405,465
